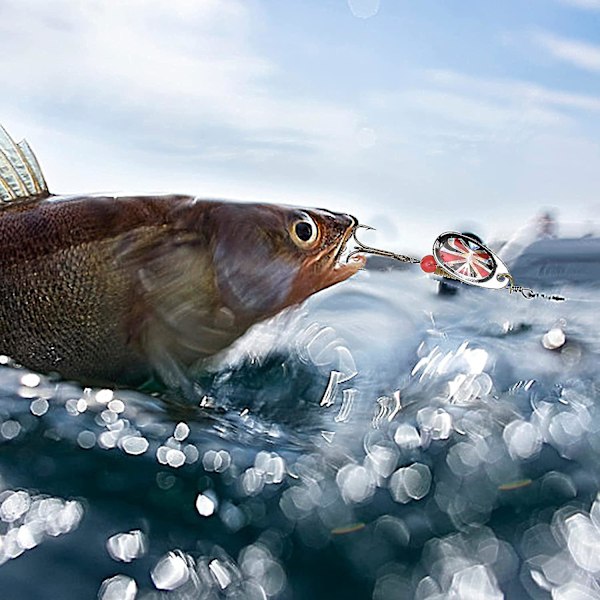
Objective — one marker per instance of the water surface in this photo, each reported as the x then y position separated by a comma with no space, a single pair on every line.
379,442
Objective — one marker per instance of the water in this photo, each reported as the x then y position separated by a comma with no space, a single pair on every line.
380,442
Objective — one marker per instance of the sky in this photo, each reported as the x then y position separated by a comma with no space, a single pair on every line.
416,116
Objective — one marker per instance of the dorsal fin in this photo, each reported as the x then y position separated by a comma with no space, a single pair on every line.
20,173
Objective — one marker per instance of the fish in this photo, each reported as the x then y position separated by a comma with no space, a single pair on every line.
127,289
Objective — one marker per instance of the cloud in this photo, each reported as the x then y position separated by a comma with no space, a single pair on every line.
183,70
575,52
515,91
584,4
490,142
451,110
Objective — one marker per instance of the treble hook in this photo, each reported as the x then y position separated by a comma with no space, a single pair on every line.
369,249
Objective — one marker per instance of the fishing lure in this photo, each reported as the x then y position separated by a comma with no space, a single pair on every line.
461,257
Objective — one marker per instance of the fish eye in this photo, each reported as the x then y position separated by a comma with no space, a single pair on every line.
304,232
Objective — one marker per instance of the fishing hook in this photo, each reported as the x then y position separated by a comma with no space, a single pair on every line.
369,249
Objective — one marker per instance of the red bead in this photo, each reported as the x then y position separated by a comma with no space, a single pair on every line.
428,264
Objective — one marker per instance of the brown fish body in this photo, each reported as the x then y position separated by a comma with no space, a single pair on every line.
116,289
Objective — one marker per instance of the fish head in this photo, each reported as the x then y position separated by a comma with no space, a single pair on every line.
319,238
269,257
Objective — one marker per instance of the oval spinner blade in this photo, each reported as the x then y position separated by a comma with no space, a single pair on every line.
469,261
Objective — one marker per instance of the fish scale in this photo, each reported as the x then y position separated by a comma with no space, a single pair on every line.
68,291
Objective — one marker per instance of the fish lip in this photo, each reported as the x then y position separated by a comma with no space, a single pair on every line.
344,270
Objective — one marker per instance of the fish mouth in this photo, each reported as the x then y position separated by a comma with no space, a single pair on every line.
341,254
344,262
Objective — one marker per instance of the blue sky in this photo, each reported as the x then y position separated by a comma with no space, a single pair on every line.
417,116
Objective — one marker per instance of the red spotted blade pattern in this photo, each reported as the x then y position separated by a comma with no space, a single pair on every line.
465,258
